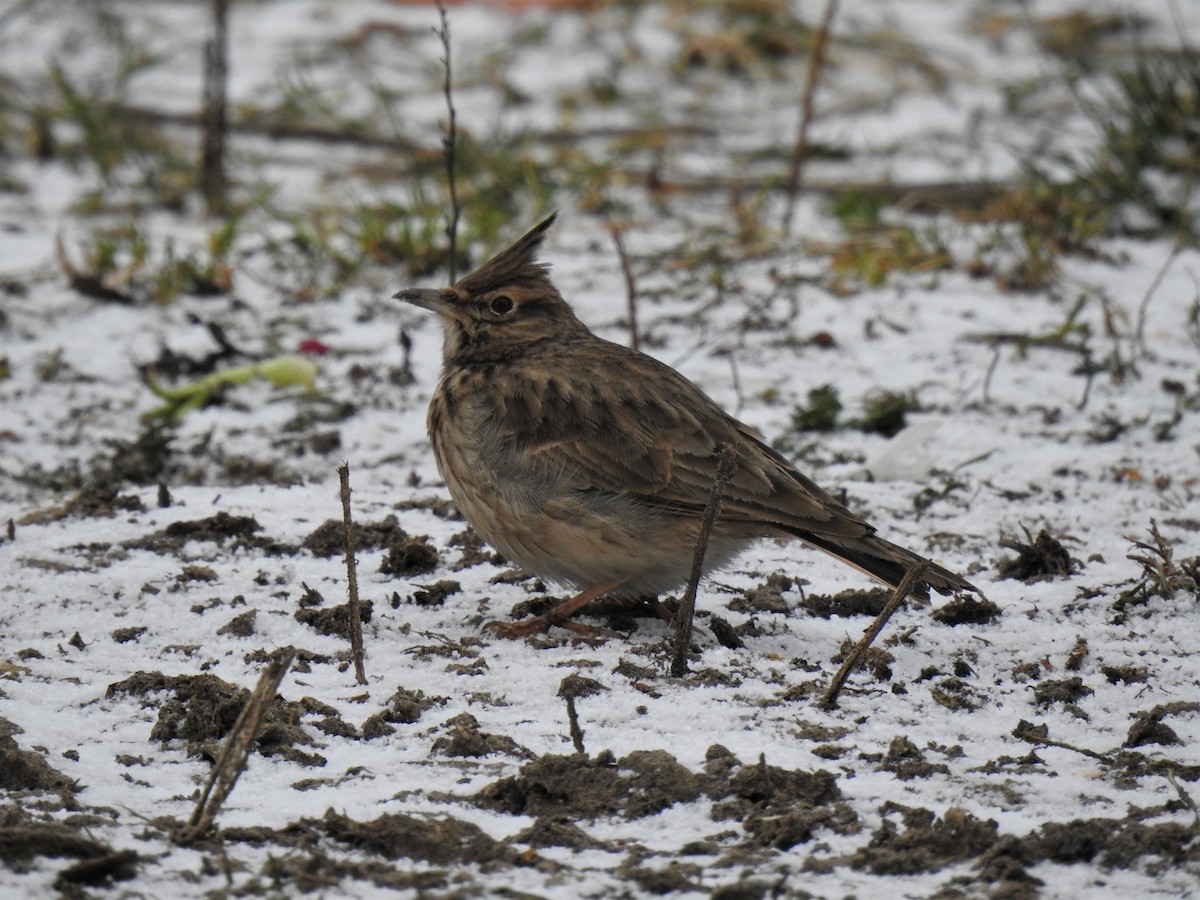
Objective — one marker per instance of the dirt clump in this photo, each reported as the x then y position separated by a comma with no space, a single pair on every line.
201,709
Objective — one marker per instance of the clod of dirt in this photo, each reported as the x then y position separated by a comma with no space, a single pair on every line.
196,573
410,556
906,761
94,501
143,460
875,660
576,687
435,594
766,598
404,707
1071,842
466,739
335,620
675,877
725,633
329,538
743,890
240,531
967,609
1040,560
241,625
557,831
1149,727
1125,674
643,783
26,770
313,873
778,808
955,694
851,602
125,635
118,866
203,708
927,843
23,838
441,841
474,550
1060,690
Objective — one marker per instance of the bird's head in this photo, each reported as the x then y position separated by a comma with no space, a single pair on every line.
505,305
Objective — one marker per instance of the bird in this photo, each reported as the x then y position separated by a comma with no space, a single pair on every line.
590,464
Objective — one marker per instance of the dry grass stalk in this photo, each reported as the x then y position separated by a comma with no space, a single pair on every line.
353,610
812,75
726,466
915,571
236,751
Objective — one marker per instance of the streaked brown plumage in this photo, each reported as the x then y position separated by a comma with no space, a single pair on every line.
590,464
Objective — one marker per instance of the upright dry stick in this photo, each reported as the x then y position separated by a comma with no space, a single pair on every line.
829,701
630,285
812,75
214,115
450,143
236,751
353,611
726,466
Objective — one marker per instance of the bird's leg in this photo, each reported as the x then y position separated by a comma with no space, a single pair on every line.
559,615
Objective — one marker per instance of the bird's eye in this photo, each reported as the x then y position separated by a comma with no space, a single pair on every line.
501,305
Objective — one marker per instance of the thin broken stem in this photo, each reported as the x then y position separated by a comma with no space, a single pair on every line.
630,285
450,143
236,752
915,571
812,75
726,466
214,116
1032,737
573,725
353,610
1144,306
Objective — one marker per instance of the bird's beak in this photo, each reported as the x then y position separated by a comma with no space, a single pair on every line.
443,302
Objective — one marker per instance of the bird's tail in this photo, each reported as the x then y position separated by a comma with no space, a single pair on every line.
889,563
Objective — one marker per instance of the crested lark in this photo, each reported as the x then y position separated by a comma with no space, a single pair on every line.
590,464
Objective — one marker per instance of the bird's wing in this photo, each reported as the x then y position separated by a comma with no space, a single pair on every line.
635,426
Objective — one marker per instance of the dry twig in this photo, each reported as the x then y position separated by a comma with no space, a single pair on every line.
630,285
1140,334
214,116
353,611
812,75
726,466
236,752
829,701
450,143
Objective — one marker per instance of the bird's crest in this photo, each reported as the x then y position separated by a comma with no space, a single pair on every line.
513,265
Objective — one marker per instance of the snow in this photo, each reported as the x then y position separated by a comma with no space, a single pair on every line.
1004,438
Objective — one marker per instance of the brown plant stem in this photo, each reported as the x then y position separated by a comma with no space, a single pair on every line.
630,285
450,142
353,610
812,75
829,700
214,116
236,751
726,466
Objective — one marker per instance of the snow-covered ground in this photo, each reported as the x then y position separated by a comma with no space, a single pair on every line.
1049,752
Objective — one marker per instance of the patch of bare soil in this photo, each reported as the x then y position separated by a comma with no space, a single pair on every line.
1038,559
200,710
232,532
24,838
25,770
777,807
329,538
